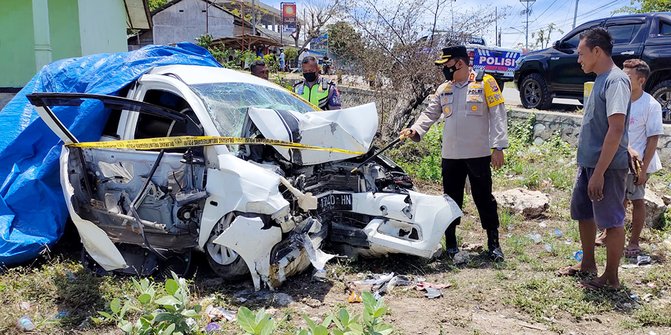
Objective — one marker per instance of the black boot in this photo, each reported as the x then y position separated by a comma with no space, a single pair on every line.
495,252
451,247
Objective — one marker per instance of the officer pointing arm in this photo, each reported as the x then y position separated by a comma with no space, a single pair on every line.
474,137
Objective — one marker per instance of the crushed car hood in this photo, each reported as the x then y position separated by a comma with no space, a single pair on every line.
350,129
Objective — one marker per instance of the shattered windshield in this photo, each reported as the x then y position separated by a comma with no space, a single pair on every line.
227,103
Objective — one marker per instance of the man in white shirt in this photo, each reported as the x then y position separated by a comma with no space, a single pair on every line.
645,126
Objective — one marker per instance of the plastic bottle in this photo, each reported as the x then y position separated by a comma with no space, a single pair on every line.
25,324
578,255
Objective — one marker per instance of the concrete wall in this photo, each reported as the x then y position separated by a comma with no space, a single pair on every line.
186,21
35,33
102,26
17,53
64,29
568,126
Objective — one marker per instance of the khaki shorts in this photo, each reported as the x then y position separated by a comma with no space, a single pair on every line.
634,192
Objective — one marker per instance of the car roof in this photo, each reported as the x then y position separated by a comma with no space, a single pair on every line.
637,15
196,74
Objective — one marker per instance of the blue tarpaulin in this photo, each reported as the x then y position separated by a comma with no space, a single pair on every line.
32,208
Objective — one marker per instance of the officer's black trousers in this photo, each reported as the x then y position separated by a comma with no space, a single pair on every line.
480,175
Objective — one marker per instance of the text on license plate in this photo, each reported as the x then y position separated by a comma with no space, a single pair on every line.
335,202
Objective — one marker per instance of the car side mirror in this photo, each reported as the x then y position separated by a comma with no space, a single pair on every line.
557,45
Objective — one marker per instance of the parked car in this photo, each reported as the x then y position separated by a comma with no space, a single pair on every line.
259,209
498,62
555,73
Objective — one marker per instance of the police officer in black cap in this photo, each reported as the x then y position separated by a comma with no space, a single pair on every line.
474,137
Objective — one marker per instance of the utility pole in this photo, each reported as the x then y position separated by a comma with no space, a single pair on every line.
527,4
496,26
282,26
498,39
253,17
575,13
452,11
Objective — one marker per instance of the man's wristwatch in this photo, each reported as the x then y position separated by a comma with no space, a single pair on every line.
498,148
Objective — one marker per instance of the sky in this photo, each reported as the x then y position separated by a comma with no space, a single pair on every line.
543,12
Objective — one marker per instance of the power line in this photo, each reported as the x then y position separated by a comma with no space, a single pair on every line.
528,4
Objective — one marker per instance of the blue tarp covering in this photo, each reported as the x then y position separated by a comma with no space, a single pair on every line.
32,208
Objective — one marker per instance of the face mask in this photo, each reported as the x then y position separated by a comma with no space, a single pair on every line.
448,72
310,76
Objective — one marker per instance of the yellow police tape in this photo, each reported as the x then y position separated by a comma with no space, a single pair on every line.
197,141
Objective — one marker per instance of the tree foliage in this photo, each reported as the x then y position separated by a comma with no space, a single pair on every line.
544,35
156,4
397,55
345,42
646,6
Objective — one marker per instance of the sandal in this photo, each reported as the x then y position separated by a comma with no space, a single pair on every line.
632,252
595,285
600,239
570,271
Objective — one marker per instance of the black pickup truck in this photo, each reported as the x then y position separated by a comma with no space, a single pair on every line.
555,72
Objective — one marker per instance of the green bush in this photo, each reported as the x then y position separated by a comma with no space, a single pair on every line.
526,164
151,309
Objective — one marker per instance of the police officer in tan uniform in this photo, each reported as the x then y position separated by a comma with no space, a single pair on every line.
474,136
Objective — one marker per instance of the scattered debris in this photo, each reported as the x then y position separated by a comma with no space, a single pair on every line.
219,313
269,297
531,204
433,293
643,260
212,327
577,255
354,297
558,233
61,315
548,247
473,247
319,275
311,302
420,286
24,305
25,324
535,237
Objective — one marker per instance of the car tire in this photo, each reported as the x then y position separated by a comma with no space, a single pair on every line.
224,261
662,93
534,92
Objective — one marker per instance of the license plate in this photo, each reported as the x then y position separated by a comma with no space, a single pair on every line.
335,202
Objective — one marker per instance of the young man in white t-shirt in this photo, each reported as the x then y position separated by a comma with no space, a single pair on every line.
645,126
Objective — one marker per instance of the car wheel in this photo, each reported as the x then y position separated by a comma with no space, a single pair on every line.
534,92
224,262
662,93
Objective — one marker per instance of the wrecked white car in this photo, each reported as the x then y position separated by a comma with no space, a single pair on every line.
251,208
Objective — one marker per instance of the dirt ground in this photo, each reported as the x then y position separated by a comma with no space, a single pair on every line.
519,296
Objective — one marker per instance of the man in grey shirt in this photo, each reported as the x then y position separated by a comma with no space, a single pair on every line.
474,136
598,195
